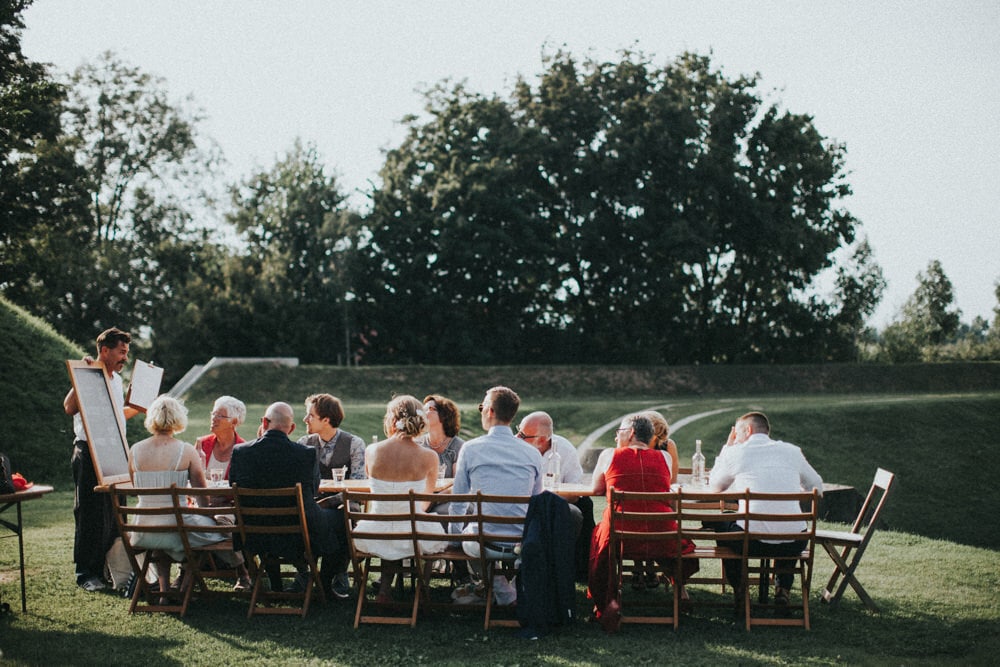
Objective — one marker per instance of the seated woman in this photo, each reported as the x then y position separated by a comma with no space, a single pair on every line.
160,461
216,448
645,576
215,451
630,466
399,465
443,423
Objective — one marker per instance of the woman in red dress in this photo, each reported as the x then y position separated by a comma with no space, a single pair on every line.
631,466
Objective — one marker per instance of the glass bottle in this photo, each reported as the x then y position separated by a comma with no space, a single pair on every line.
698,466
553,471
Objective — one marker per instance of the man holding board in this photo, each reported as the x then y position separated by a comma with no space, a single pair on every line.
95,524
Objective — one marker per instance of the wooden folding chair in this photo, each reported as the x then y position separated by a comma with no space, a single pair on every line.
783,526
274,536
840,544
215,560
701,516
454,555
639,534
386,527
499,544
146,596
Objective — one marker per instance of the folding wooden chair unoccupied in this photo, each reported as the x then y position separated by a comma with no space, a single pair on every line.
840,544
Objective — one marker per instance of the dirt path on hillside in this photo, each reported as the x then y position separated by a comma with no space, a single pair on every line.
674,427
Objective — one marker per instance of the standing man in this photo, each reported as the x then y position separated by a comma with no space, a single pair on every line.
752,460
337,448
536,429
498,464
93,514
274,461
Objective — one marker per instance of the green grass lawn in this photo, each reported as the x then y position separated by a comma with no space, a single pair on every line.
934,570
939,606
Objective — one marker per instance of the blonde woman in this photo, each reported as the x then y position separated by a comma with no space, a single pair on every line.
162,460
399,464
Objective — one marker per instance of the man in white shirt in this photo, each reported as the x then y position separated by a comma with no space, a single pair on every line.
536,429
752,460
95,530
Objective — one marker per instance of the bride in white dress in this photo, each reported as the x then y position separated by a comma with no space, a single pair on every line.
397,465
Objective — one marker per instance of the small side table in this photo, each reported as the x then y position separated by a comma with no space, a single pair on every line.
7,501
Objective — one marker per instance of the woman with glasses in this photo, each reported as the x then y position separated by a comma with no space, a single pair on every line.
631,466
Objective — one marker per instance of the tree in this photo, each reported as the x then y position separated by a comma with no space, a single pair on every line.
927,321
145,163
860,286
42,201
642,215
296,228
453,256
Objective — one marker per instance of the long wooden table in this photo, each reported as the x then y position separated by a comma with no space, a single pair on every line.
9,500
364,485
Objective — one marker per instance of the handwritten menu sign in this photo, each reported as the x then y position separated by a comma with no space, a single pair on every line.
102,421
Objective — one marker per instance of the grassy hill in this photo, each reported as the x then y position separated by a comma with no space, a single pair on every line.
33,383
380,383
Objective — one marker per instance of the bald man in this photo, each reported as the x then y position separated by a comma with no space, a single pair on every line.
273,461
537,430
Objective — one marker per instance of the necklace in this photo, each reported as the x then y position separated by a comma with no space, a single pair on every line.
441,445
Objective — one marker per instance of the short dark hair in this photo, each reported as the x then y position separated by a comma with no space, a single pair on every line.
504,402
327,407
112,338
759,422
642,428
451,419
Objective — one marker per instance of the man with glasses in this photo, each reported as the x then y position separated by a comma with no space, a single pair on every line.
497,464
537,430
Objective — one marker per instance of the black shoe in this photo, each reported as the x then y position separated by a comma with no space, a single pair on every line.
341,586
300,584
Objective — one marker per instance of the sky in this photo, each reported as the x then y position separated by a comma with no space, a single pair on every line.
912,89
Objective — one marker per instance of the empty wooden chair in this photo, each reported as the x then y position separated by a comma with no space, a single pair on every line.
701,516
273,533
841,544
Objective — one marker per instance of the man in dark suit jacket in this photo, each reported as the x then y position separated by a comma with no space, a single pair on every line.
273,460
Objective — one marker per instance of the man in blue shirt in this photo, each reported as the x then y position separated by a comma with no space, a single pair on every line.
497,463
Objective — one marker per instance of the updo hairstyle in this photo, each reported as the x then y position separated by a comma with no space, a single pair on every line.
405,415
